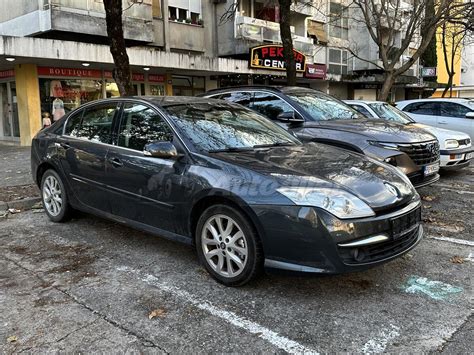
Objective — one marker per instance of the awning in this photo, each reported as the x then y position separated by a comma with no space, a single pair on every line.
316,29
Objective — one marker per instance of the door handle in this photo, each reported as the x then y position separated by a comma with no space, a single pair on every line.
443,122
115,162
64,145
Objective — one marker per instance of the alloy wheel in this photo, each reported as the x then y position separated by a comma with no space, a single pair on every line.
224,245
52,196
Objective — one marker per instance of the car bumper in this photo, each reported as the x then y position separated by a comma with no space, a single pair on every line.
310,240
454,159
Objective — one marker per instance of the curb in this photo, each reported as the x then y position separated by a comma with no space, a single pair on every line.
22,205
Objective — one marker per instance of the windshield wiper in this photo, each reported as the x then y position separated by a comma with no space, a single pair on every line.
276,144
230,149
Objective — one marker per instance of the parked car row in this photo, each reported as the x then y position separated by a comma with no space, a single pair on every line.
326,190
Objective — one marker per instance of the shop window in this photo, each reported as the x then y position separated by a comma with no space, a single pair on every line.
141,125
338,20
337,61
60,96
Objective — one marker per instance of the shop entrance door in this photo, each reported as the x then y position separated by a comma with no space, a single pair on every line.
9,123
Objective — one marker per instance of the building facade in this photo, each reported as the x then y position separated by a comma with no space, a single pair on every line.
54,54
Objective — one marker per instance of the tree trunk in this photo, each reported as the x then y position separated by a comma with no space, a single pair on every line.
389,80
449,85
287,41
121,72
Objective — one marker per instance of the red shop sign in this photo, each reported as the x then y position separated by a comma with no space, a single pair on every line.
69,72
156,78
315,71
135,76
10,73
271,57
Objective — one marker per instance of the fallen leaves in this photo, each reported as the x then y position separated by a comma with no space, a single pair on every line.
428,198
160,312
457,260
12,339
13,210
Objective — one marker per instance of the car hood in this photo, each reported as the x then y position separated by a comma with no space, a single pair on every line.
377,130
320,165
442,134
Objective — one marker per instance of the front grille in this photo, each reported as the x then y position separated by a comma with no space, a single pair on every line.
404,234
421,153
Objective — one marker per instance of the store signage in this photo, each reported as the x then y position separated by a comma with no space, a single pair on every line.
135,76
271,57
315,71
69,72
156,78
428,72
7,74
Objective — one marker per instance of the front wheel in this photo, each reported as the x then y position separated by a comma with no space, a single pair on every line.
228,246
53,194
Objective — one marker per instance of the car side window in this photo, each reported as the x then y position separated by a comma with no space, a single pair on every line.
141,125
451,109
96,123
362,110
242,98
423,108
270,105
73,124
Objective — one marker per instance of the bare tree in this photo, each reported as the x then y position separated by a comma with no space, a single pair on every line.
456,32
395,26
121,73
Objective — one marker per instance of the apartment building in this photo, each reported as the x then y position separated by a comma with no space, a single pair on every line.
54,53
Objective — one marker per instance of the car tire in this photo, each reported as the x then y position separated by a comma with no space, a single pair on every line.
228,246
54,197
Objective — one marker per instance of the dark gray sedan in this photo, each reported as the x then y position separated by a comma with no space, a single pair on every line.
221,177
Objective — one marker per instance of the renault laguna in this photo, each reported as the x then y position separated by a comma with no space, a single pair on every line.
244,192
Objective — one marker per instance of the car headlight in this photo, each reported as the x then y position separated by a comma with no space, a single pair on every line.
451,143
392,146
340,203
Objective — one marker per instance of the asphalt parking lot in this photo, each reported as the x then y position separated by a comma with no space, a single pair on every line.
92,285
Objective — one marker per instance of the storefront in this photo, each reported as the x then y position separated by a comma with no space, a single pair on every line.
64,89
9,124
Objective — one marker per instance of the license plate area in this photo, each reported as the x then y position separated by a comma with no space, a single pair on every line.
402,224
431,169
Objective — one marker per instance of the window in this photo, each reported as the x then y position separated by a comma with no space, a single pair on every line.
141,125
94,124
242,98
337,61
362,110
423,108
451,109
339,20
73,124
270,105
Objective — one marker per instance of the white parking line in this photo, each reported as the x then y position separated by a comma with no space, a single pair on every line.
454,188
378,345
272,337
453,240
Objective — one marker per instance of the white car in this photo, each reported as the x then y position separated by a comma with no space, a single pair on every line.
456,150
456,114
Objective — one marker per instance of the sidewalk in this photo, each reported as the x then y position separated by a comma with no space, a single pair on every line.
17,188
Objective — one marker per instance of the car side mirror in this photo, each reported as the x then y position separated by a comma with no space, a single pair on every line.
163,150
289,117
470,114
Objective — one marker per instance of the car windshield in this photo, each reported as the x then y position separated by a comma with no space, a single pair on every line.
222,126
323,107
390,113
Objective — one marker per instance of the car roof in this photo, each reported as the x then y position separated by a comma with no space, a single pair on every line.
275,88
439,99
364,102
162,101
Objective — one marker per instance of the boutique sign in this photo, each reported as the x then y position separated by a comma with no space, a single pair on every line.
271,57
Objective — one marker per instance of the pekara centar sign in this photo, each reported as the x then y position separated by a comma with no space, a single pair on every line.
271,57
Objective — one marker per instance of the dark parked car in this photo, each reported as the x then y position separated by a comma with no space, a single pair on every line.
316,117
219,176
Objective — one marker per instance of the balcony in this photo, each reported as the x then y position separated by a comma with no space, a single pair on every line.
251,29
